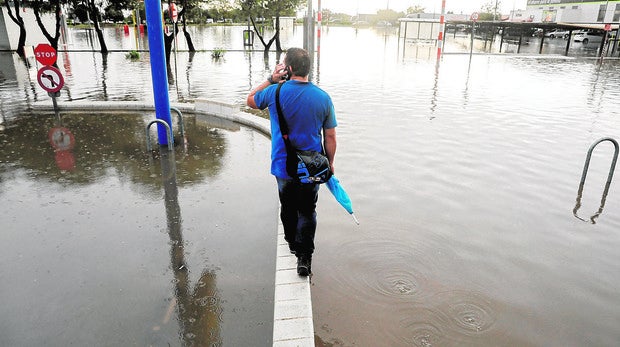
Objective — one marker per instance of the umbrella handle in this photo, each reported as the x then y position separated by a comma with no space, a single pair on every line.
355,219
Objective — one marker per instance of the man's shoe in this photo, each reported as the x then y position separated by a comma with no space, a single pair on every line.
304,264
291,247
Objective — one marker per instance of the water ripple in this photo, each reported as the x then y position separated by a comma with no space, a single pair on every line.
422,328
382,271
470,313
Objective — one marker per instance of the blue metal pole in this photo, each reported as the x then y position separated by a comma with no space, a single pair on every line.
159,74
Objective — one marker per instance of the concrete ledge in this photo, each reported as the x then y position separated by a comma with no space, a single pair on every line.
292,317
106,106
206,107
233,113
292,314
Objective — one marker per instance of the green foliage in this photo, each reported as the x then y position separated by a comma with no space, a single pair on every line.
133,55
415,9
269,8
389,15
485,16
218,53
489,9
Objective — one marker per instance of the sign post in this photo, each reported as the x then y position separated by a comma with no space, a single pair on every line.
442,28
49,77
605,44
173,12
174,15
474,19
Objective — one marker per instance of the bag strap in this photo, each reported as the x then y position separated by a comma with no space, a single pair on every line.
283,125
291,153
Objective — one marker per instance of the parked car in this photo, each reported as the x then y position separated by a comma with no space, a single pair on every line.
383,24
537,32
589,37
557,34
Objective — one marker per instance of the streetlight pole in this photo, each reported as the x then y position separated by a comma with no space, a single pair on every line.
309,34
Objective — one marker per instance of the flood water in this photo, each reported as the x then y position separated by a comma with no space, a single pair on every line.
464,175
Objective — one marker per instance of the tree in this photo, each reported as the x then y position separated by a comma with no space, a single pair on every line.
489,10
182,16
40,6
114,12
79,10
389,15
415,9
266,9
17,19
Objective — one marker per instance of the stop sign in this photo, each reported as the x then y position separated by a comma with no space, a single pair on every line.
45,54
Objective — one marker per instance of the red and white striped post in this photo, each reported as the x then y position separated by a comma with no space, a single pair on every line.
441,28
318,27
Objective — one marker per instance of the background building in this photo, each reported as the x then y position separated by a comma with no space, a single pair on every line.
569,11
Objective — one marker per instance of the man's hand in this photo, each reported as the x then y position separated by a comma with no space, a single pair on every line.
278,73
276,77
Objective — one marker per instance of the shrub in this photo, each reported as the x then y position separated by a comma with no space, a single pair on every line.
217,53
133,55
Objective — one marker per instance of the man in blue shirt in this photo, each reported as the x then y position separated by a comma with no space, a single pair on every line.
311,119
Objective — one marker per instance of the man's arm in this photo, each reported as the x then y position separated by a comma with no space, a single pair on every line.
329,136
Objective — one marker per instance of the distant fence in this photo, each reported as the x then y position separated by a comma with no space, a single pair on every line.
419,30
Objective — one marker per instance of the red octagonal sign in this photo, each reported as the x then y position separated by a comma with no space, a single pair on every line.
45,54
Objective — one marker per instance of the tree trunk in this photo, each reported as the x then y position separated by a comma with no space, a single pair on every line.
95,17
22,41
267,45
188,38
278,45
53,40
17,19
168,38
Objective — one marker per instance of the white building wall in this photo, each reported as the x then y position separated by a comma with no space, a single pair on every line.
570,11
565,12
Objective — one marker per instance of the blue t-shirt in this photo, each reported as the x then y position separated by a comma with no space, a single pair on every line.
307,110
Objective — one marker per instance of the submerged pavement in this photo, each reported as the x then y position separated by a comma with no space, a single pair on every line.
292,317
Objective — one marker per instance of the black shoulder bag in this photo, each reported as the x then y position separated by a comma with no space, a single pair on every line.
304,166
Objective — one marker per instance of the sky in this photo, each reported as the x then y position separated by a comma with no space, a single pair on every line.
457,6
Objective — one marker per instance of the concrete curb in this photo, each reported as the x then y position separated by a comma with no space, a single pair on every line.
292,325
292,315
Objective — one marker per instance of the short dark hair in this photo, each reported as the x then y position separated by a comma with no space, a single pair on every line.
299,61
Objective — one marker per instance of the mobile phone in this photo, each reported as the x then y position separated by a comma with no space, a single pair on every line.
288,74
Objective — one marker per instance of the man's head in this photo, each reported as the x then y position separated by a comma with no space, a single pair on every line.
299,61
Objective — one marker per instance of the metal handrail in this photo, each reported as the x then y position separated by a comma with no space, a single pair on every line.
180,119
585,173
168,134
168,130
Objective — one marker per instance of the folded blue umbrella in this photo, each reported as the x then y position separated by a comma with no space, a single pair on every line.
333,184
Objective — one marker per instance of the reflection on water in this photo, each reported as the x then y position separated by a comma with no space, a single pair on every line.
101,263
198,308
463,172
